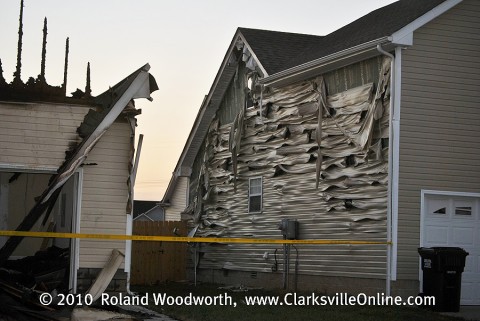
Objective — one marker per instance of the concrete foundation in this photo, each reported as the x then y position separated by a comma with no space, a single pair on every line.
86,277
315,283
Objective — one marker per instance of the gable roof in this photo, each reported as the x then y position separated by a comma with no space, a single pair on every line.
289,57
141,207
275,49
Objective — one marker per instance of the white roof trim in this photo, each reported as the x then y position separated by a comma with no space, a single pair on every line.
143,214
312,66
259,64
404,36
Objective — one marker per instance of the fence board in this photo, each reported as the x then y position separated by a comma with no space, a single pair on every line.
156,262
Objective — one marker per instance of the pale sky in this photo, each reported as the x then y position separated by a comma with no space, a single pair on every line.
183,41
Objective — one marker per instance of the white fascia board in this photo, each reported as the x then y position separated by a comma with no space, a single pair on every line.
404,36
321,63
259,64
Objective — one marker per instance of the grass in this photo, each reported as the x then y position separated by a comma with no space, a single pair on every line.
280,312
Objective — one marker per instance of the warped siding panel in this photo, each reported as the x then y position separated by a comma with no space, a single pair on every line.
34,135
110,174
178,200
281,147
440,121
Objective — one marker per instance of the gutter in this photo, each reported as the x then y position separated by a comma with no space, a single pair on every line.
314,65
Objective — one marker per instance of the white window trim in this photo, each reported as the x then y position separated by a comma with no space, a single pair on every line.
260,194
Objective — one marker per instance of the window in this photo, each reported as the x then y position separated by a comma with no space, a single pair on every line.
463,210
463,207
442,210
438,207
255,195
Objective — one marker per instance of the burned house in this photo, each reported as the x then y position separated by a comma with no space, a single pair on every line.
66,166
366,134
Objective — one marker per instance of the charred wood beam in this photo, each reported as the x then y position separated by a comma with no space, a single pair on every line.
2,79
14,177
65,68
44,51
88,89
18,71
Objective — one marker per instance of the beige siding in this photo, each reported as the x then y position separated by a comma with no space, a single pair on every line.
34,135
440,119
178,200
105,194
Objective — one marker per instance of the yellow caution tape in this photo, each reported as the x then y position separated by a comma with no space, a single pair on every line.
182,239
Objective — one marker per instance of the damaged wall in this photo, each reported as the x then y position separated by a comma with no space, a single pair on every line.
21,198
35,137
281,146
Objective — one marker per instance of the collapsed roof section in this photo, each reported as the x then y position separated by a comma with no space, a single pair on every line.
139,84
37,89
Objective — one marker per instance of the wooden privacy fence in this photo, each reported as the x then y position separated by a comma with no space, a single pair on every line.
156,262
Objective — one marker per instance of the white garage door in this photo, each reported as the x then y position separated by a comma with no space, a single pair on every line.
454,220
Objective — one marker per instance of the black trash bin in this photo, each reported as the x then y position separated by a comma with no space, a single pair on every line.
442,275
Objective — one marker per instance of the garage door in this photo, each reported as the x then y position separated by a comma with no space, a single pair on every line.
454,220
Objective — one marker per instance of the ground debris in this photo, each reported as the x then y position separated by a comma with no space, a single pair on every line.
23,281
239,288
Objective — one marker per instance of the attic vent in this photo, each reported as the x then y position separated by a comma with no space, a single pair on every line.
253,275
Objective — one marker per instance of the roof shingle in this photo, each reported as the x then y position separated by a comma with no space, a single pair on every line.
278,51
274,49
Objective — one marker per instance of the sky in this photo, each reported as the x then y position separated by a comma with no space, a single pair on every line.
183,41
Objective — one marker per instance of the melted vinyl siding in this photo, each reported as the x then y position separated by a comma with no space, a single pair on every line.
440,119
178,200
105,194
350,202
37,135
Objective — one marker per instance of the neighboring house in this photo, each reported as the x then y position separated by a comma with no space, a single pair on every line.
71,157
147,211
175,199
393,153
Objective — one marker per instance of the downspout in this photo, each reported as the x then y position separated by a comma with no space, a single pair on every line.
390,168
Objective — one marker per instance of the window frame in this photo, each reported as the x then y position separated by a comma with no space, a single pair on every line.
250,195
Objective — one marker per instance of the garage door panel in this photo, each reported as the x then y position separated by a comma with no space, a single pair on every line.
454,220
437,235
463,236
470,291
470,266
